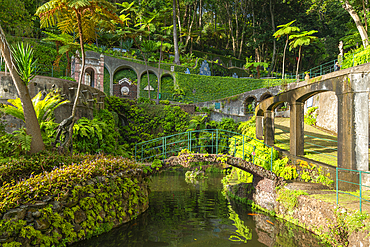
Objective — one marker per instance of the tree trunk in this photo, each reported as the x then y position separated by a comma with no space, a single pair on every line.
365,13
190,28
360,27
68,69
175,42
146,65
32,125
299,59
236,27
231,31
200,22
69,142
159,70
179,19
274,41
286,44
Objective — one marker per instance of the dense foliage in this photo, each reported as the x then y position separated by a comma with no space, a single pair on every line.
198,88
111,199
18,168
144,121
222,30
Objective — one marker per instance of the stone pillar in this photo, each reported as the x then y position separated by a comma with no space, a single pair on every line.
111,76
100,77
259,127
353,133
268,126
138,85
297,128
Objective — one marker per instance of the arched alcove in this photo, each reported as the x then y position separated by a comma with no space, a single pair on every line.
167,86
265,96
89,77
152,87
250,104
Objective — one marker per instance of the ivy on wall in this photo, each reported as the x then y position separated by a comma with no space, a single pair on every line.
106,82
144,83
198,88
125,73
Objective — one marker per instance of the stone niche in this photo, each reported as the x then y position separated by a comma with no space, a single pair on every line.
125,88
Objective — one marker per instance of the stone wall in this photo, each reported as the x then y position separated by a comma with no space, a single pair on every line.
99,206
90,98
317,216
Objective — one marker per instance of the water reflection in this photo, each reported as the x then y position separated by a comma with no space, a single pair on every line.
197,214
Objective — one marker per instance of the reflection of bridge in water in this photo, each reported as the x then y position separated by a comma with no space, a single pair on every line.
218,147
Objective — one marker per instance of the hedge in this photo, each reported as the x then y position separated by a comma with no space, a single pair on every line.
198,88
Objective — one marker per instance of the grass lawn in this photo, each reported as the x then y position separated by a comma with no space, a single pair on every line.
318,145
348,201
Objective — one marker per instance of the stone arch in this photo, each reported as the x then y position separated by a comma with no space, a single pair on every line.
153,84
250,104
167,86
265,96
351,87
89,76
283,107
125,72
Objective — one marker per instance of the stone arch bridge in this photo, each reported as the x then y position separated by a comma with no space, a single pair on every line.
264,181
351,87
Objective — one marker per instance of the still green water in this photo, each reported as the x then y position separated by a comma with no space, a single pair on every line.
197,214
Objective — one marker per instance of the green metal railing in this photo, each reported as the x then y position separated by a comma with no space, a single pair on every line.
212,141
46,70
359,184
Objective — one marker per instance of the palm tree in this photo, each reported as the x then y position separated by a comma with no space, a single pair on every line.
86,14
301,39
32,125
67,44
285,30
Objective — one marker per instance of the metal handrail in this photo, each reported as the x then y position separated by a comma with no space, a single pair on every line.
345,181
208,140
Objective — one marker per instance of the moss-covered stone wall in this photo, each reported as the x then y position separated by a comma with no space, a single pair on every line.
76,208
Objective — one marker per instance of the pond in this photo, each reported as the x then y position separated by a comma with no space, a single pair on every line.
196,213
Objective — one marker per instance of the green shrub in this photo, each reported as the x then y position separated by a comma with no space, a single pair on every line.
310,116
97,135
145,121
22,167
199,88
64,184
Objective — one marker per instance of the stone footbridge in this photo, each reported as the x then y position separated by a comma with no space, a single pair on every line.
264,181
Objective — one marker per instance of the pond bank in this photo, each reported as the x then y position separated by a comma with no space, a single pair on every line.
334,224
72,203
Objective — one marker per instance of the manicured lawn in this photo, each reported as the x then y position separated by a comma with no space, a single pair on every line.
318,145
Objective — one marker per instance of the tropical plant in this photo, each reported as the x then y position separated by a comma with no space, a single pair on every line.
25,64
82,16
44,107
300,39
32,125
285,30
67,44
